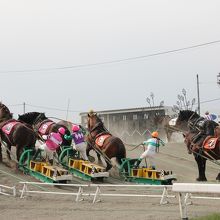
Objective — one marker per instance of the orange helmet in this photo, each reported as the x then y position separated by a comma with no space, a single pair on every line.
155,134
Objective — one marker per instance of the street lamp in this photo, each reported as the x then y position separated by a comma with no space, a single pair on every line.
218,79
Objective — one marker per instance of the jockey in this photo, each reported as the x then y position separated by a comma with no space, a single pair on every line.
203,127
52,143
208,116
79,142
152,145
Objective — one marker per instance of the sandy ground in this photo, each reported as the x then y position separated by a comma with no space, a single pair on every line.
171,157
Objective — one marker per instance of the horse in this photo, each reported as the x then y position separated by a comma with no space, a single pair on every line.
197,132
100,139
14,133
43,125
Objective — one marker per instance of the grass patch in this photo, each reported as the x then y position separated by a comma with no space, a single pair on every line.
215,216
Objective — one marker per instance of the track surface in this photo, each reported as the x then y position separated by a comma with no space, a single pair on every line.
171,157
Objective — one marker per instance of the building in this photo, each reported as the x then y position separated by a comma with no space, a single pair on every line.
135,124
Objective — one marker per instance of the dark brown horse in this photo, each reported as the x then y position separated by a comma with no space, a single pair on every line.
43,125
14,133
99,138
197,129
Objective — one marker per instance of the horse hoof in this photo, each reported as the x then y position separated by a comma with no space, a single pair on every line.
201,179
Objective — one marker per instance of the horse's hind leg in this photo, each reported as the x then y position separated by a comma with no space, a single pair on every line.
19,152
109,166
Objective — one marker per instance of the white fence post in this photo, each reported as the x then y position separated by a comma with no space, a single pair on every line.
164,196
24,190
97,195
182,206
79,195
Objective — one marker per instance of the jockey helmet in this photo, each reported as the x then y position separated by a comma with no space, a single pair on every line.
61,130
75,128
91,112
155,134
206,113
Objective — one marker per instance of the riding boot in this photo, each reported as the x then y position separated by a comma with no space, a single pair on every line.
36,154
137,163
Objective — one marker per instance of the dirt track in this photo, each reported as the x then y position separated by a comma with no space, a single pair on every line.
171,157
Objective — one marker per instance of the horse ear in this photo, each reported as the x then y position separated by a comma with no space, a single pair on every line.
184,135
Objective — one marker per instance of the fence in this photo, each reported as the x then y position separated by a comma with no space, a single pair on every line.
96,191
4,190
185,191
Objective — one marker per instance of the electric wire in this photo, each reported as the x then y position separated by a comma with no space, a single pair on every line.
112,61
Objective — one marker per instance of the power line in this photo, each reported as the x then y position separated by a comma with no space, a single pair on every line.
50,108
112,61
212,100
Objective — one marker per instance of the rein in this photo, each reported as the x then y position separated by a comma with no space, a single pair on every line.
199,154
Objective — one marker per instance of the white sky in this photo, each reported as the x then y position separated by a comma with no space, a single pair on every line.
50,33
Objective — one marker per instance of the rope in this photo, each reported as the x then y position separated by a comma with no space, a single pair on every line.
134,146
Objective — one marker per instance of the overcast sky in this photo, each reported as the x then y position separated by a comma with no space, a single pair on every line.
51,34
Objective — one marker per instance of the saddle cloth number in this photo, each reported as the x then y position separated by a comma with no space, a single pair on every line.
100,140
210,143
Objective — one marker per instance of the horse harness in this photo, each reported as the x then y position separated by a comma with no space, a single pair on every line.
92,141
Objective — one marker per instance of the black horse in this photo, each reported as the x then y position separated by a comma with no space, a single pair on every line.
14,133
110,146
43,125
197,129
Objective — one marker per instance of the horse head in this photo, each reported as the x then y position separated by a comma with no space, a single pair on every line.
184,117
93,122
5,113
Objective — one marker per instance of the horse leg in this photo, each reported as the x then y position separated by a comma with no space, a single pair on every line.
19,152
8,153
109,166
1,159
201,163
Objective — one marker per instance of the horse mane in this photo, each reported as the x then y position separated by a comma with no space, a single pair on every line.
185,115
30,117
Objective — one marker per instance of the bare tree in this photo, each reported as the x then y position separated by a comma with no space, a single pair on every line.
183,103
151,101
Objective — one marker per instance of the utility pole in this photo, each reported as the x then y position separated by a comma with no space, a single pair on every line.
67,110
24,107
218,79
198,96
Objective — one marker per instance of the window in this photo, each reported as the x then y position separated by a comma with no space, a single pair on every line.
124,117
146,116
135,117
113,118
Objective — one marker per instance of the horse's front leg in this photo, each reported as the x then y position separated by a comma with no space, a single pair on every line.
1,158
201,163
8,153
